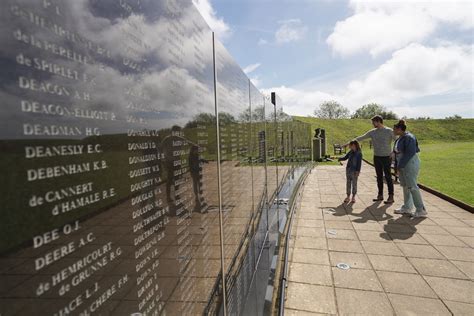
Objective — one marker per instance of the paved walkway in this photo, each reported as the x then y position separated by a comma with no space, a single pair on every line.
397,265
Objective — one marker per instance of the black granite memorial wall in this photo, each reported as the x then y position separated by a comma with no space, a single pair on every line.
137,161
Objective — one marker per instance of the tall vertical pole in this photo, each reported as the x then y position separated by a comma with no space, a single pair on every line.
276,142
251,147
219,179
267,203
276,153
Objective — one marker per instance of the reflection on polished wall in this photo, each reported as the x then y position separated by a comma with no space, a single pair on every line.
139,164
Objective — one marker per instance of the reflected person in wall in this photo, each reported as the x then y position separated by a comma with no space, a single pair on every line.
173,146
195,168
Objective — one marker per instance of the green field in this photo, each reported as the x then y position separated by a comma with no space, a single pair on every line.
447,150
341,131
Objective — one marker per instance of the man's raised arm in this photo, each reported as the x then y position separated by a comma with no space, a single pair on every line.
362,137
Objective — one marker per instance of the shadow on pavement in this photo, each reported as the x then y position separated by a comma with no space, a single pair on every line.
337,210
372,212
400,228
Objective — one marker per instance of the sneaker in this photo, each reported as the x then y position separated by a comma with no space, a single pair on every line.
353,200
402,211
378,198
420,214
390,200
346,200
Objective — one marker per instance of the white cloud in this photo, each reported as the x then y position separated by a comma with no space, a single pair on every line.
415,71
378,32
290,31
300,102
458,12
256,81
465,109
383,26
218,25
262,42
251,68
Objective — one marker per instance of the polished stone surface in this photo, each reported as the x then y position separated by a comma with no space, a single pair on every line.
110,162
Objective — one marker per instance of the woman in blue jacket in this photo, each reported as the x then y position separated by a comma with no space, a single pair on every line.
408,165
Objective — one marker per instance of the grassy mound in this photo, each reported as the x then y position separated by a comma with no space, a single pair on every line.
447,150
428,131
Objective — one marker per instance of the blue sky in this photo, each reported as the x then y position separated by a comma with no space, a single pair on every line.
414,57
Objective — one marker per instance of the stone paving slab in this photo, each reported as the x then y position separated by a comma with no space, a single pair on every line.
398,266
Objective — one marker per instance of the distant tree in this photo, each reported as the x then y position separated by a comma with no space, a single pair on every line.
202,118
370,110
210,119
258,114
245,115
226,118
331,110
454,117
423,118
282,116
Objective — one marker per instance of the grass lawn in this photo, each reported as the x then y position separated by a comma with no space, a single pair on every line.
446,167
447,150
343,130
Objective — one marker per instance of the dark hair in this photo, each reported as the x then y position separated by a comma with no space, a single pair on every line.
356,143
377,118
401,125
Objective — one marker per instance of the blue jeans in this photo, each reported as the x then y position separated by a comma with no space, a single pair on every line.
351,183
408,181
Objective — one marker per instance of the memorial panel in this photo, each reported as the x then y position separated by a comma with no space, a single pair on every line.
110,146
236,174
257,156
271,148
109,194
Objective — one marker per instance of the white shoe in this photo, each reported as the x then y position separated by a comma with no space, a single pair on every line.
420,214
402,210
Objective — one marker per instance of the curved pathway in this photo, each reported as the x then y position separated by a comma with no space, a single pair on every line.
398,266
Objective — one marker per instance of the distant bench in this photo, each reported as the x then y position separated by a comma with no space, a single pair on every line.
339,149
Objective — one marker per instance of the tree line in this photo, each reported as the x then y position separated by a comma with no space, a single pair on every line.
334,110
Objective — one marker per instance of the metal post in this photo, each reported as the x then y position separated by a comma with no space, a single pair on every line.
219,179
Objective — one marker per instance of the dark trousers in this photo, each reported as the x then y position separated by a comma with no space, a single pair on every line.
382,168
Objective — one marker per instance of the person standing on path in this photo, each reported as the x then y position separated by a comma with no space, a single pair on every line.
381,137
406,150
354,164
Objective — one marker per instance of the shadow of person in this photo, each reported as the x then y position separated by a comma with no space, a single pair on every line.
373,213
339,210
364,216
349,208
379,211
416,221
400,228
